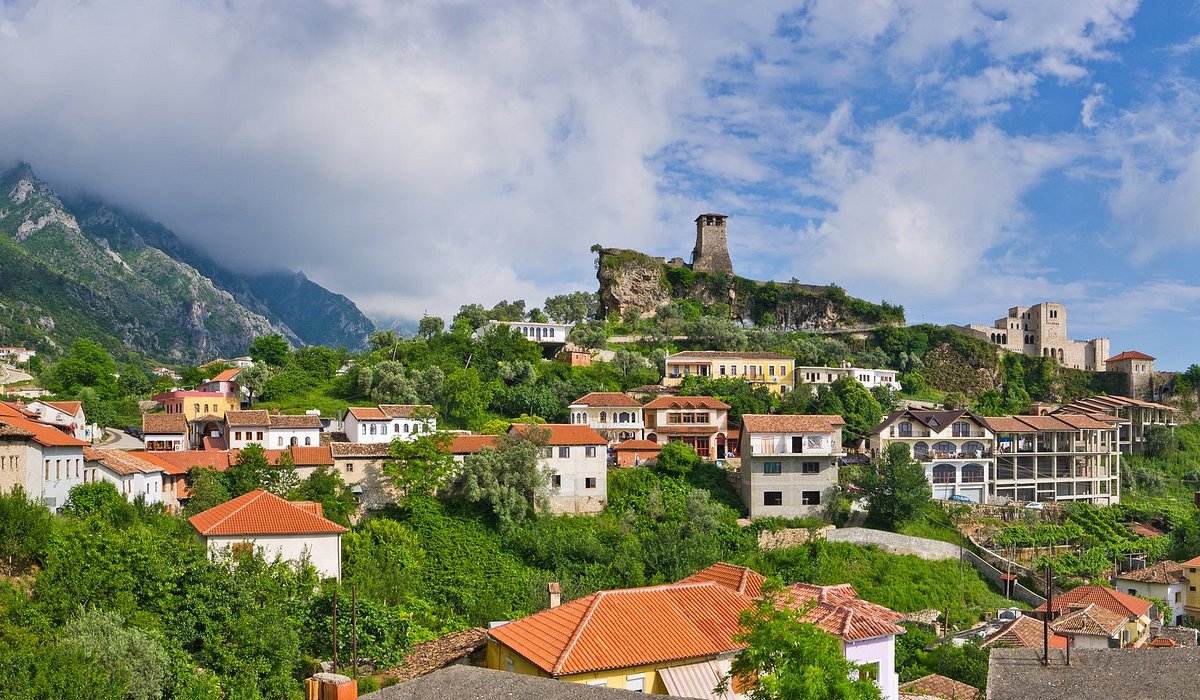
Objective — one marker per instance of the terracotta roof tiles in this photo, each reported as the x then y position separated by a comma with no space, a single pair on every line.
562,434
41,433
1090,619
367,413
1165,572
470,444
247,419
839,611
935,686
686,402
180,462
1114,600
295,421
164,424
729,355
68,407
742,579
392,410
1130,355
1025,632
360,449
227,375
630,445
607,398
261,513
757,423
121,462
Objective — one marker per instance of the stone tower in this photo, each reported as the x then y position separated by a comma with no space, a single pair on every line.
711,253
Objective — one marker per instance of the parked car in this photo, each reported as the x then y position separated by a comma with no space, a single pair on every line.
959,498
1034,505
134,431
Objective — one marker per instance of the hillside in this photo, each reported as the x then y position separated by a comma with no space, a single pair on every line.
91,271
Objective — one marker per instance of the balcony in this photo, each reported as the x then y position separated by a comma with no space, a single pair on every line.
951,456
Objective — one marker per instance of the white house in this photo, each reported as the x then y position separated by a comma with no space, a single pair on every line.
245,427
271,430
955,447
298,430
540,333
789,464
577,457
293,531
67,415
615,415
132,475
384,423
870,378
46,462
1165,581
16,354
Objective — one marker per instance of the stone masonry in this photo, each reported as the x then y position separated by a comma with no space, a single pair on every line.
711,253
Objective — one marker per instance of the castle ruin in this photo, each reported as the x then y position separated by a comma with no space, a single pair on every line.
711,253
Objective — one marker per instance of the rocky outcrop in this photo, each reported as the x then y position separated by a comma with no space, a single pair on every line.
631,280
950,371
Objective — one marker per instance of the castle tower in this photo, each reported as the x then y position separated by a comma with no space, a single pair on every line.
711,253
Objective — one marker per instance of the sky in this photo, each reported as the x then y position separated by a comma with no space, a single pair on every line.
958,158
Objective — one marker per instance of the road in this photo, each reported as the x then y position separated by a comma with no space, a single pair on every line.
10,375
123,440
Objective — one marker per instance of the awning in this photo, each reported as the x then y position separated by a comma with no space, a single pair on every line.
697,680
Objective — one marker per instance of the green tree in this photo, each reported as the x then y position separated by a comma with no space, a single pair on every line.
281,479
250,471
859,407
423,465
787,658
430,326
575,307
471,316
208,488
465,397
326,486
628,362
25,528
272,349
128,653
98,498
506,310
384,559
1160,441
590,336
87,364
676,458
511,479
254,379
895,487
133,381
536,315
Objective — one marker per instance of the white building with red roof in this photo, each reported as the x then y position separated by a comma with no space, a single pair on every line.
577,459
133,474
386,422
67,416
294,531
614,414
45,461
700,422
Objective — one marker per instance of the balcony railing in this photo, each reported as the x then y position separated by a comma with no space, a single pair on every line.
937,456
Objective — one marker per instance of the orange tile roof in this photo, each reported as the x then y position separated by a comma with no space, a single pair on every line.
758,423
470,444
41,433
686,402
606,398
564,435
1162,643
369,450
1130,355
1090,619
742,579
1025,632
1163,572
121,462
243,419
227,375
1065,422
296,421
367,413
728,355
936,686
1194,561
839,611
68,407
628,627
164,423
261,513
181,461
637,445
1108,598
393,410
311,507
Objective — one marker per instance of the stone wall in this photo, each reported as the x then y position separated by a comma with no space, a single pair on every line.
894,543
790,537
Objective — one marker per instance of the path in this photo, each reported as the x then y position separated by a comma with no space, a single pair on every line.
11,375
120,440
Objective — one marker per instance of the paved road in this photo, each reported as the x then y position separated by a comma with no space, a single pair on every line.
10,375
120,440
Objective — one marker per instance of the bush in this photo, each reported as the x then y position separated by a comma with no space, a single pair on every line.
677,458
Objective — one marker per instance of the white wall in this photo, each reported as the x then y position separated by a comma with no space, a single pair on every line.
881,650
590,416
406,428
280,438
323,550
1158,590
248,435
573,495
61,479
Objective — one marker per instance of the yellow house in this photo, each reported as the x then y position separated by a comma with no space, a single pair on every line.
1191,597
770,369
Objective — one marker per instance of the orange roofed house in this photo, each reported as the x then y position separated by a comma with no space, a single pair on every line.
577,458
700,422
1135,613
678,639
291,530
614,414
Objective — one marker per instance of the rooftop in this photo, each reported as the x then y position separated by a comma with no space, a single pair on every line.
935,686
1130,355
243,419
121,462
756,423
607,398
934,420
1164,572
1024,632
728,355
1065,422
686,402
1090,619
427,657
637,445
1104,404
227,375
295,421
1129,674
1114,600
164,423
461,681
470,444
261,513
565,435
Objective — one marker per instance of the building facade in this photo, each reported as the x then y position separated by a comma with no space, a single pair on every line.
616,416
386,422
1063,457
1136,417
769,369
550,334
700,422
789,464
1041,331
1137,373
1165,580
955,447
577,458
870,378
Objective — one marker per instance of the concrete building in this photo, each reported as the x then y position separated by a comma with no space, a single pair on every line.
132,474
1064,457
789,464
1041,331
384,423
769,369
700,422
164,432
1136,416
295,531
46,462
1137,370
577,458
955,447
551,335
870,378
615,415
67,416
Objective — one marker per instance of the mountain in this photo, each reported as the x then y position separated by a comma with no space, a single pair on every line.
85,269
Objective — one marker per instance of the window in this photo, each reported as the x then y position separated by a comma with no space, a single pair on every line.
48,479
721,368
810,498
1132,591
797,443
260,435
944,474
279,441
308,442
237,435
197,407
58,469
972,474
921,451
773,498
771,370
508,664
556,481
772,467
589,451
589,482
349,467
564,452
547,452
364,428
906,430
383,429
944,448
603,416
1177,596
636,683
869,671
373,428
602,683
961,429
206,408
810,468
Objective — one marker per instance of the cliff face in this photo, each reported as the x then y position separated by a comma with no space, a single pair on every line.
630,280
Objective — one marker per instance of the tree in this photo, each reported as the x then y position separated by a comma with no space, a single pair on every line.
272,349
282,478
895,487
676,458
1191,379
25,528
87,364
510,479
465,397
98,498
254,379
326,486
575,307
133,381
472,316
536,315
430,326
505,310
590,336
859,407
721,333
383,558
207,489
423,465
128,653
628,362
787,658
1160,441
250,471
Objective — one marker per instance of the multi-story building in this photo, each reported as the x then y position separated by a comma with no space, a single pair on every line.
870,378
550,334
789,464
769,369
1136,370
1064,457
271,430
1138,416
386,422
577,458
1041,331
46,462
1165,581
164,432
955,447
67,416
133,474
615,415
700,422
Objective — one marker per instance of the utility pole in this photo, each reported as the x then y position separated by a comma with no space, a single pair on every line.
354,626
335,663
1049,612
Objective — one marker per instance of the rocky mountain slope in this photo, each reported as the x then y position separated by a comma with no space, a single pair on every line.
83,269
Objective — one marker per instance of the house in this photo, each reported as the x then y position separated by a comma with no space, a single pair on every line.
769,369
1191,604
700,422
1136,417
1165,580
955,447
166,372
1064,457
135,475
1129,674
164,432
577,458
1136,372
550,335
870,378
294,531
1025,632
43,460
678,639
271,430
67,416
615,415
1135,611
789,464
386,422
463,445
19,355
632,453
225,382
361,466
243,428
460,681
1041,331
25,392
306,460
1090,626
176,466
935,686
204,411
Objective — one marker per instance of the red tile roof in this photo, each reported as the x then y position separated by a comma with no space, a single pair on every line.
122,462
68,407
1195,561
742,579
369,450
367,413
1090,619
1024,632
164,423
1130,355
839,611
1032,424
1108,598
243,419
564,435
261,513
935,686
470,444
1166,572
227,375
41,433
392,410
1162,643
296,421
686,402
639,445
728,355
180,462
311,456
758,423
606,398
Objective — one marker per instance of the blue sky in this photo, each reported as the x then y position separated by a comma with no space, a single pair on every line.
957,158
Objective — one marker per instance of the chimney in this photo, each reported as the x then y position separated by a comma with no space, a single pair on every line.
555,594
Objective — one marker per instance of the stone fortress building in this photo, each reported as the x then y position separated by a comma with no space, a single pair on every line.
1041,330
711,253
